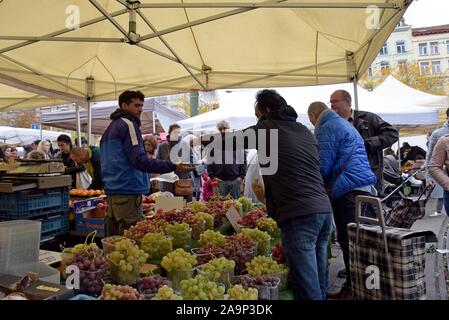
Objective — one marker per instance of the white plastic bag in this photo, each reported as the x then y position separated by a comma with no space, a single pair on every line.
83,180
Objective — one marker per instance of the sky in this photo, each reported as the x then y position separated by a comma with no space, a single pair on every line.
425,13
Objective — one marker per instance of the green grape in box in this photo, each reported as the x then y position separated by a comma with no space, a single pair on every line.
262,265
181,233
237,292
156,245
219,270
179,266
262,238
270,226
207,218
201,288
166,293
213,238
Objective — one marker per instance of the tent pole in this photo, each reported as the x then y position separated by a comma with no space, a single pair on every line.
154,122
40,121
78,125
89,123
356,96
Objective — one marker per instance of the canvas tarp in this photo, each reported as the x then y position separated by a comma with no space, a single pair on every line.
180,46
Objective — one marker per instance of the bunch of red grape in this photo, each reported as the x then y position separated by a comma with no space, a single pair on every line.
218,210
151,284
113,292
278,254
139,230
250,219
92,270
248,281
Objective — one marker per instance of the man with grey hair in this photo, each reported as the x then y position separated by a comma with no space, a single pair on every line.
376,133
229,175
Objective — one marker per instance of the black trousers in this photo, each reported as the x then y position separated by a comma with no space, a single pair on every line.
344,213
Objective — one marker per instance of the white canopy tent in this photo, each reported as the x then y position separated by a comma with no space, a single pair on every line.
173,46
237,107
11,135
101,117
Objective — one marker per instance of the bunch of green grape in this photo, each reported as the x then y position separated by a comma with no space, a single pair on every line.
262,265
247,204
166,293
201,288
181,234
127,256
178,260
88,250
269,225
198,206
156,245
208,218
213,238
261,237
217,269
113,292
237,292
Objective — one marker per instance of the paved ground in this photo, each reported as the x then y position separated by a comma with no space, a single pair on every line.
436,266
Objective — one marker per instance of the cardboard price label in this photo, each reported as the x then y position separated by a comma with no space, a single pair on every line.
233,216
168,204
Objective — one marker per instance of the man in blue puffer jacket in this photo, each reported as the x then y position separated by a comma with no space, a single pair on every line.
125,165
345,169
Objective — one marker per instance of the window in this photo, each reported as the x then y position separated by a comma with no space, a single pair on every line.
447,46
384,50
423,49
434,48
400,47
424,67
384,65
436,67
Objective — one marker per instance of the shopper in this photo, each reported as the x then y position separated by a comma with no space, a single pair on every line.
65,147
90,159
151,144
45,147
125,165
376,133
437,167
346,173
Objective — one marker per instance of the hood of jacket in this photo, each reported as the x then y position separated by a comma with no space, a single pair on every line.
285,114
120,113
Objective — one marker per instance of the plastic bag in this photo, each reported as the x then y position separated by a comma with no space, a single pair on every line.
83,180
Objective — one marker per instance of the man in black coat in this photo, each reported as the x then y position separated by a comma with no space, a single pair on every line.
377,133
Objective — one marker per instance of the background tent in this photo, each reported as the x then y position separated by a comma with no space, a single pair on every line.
101,117
237,107
167,47
10,135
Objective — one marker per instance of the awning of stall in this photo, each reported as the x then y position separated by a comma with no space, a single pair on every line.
166,47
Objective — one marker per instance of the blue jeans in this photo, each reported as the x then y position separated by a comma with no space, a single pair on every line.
304,240
230,186
446,201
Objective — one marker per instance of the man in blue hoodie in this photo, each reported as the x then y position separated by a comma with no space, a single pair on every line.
345,169
125,165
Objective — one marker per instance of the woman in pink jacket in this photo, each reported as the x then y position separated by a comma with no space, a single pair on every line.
439,165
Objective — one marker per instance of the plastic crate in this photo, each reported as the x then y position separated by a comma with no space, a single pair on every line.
19,243
32,203
54,225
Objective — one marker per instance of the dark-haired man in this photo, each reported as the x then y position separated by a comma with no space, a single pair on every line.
377,133
125,164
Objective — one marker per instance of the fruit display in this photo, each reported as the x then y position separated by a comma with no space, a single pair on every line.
247,204
109,243
166,293
217,210
237,292
179,266
251,218
118,292
219,270
125,262
262,265
198,206
278,254
197,224
156,245
139,230
262,238
151,284
92,266
212,238
207,218
181,235
270,226
201,288
85,193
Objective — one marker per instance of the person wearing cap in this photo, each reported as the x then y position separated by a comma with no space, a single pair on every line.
84,143
229,175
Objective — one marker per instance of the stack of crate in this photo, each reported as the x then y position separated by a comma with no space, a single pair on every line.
49,206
